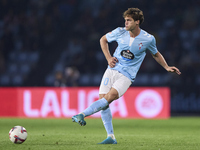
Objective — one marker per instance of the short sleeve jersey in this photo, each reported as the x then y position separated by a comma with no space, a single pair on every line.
131,52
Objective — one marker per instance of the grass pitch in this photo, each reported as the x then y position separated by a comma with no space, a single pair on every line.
176,133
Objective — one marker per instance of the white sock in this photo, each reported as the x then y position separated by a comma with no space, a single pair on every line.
112,136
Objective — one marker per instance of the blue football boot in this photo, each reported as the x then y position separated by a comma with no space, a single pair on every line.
109,140
79,119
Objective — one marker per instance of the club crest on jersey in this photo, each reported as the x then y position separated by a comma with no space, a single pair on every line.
140,45
127,55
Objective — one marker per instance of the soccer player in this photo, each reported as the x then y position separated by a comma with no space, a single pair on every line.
133,42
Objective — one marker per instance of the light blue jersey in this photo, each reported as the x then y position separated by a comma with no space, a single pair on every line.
131,51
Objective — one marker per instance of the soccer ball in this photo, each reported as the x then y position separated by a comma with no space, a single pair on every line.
18,134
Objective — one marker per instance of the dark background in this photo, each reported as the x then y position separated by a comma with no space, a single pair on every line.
56,43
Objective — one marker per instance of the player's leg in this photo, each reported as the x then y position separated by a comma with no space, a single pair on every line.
106,117
93,108
104,101
118,89
97,105
120,86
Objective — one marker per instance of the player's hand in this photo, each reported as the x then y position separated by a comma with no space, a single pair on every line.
173,69
112,61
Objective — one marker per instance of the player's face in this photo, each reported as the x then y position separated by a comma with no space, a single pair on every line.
130,23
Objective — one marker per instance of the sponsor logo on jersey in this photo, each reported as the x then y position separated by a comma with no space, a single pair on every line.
127,55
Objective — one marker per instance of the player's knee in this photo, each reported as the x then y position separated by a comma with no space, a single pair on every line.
111,96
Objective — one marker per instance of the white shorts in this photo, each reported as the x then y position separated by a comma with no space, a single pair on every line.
114,79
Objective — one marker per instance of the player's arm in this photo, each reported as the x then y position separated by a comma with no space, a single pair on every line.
104,46
161,60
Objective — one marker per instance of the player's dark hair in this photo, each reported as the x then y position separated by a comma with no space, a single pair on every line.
134,13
